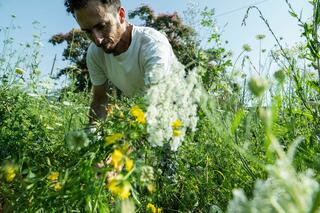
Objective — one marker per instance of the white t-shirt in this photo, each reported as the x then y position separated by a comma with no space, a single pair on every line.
147,61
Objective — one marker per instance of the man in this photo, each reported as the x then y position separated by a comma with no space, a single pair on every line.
131,57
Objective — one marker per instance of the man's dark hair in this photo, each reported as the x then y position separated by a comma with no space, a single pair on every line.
73,5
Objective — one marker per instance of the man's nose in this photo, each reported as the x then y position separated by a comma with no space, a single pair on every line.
97,38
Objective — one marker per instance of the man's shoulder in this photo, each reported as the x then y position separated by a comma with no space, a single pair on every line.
94,55
148,34
94,51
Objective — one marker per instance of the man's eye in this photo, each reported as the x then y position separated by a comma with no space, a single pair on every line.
101,26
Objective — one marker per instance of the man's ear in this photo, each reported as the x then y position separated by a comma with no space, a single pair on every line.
122,15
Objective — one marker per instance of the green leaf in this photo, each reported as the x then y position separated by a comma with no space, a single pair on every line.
314,85
237,119
316,203
293,14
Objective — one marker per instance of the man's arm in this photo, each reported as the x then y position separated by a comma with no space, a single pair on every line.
99,103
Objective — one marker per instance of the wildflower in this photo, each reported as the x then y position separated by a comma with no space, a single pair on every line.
119,187
137,112
147,174
113,138
257,85
77,140
19,71
66,103
57,187
153,209
10,173
34,95
177,124
116,158
10,176
47,83
129,164
260,37
246,47
125,191
280,76
285,189
53,176
266,116
176,141
173,96
38,43
151,187
134,135
177,133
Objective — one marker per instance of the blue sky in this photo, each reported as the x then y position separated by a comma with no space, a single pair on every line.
52,15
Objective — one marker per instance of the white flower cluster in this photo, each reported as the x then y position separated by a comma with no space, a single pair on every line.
283,191
172,99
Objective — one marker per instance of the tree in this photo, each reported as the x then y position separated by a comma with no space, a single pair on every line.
75,52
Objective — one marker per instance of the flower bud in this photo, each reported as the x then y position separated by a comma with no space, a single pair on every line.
257,85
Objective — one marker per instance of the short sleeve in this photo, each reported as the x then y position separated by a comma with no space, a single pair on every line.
157,59
94,63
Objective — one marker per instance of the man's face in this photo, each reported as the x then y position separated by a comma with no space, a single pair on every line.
103,27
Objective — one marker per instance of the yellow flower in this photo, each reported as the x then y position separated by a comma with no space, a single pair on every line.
137,112
153,209
57,187
113,184
10,173
10,177
177,133
19,71
151,187
176,124
53,176
119,188
129,164
116,158
125,191
113,138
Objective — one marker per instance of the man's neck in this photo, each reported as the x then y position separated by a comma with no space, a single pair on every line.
125,41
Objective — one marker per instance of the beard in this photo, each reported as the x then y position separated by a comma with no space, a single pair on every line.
109,48
109,45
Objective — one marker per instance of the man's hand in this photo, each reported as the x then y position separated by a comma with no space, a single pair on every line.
98,104
90,129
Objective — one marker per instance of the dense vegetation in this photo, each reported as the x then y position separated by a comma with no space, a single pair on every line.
260,134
